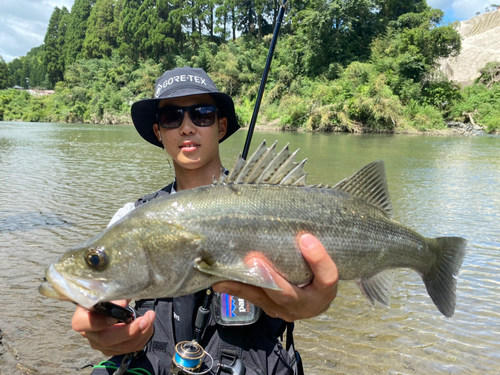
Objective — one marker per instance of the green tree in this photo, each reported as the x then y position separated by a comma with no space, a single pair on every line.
54,43
334,32
77,27
247,16
391,10
221,20
101,34
15,71
412,46
125,14
38,72
165,34
5,80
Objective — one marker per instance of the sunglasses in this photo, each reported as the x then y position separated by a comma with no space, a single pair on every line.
171,117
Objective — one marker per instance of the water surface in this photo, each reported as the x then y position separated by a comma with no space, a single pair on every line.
61,183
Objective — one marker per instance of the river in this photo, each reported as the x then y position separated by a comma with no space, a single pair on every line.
61,183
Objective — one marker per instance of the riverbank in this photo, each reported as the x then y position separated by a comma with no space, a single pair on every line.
453,128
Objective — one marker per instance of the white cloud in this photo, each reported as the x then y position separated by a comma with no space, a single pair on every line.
23,24
465,9
460,9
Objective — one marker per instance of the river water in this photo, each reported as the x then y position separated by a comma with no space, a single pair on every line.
61,183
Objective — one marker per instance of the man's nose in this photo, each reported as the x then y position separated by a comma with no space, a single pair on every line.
187,125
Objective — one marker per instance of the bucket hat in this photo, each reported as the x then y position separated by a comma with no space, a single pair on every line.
177,83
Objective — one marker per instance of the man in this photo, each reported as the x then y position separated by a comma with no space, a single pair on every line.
189,117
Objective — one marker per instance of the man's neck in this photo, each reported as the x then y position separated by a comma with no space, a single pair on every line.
192,178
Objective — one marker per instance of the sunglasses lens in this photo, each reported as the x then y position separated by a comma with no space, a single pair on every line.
170,117
203,116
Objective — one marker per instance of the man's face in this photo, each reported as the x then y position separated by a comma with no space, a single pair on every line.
191,146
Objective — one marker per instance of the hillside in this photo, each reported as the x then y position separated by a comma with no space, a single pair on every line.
480,45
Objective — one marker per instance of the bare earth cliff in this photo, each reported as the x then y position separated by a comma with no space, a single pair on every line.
480,45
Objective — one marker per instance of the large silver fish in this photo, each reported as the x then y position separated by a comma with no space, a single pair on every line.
185,242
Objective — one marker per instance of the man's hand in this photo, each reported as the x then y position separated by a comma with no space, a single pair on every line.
110,337
292,302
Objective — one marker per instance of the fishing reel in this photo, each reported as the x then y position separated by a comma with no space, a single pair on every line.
188,359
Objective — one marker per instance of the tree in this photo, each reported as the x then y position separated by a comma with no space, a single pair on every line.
247,16
77,27
5,81
333,32
390,10
125,14
54,43
411,48
101,34
221,19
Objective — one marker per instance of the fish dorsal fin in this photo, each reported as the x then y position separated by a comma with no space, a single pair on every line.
267,167
370,184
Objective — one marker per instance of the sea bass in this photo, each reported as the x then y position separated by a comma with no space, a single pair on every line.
182,243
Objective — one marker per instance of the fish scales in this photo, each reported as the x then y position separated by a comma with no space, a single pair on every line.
181,243
265,219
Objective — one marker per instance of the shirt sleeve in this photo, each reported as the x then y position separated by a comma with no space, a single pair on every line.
122,212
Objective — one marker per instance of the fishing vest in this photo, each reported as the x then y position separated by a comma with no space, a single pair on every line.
259,345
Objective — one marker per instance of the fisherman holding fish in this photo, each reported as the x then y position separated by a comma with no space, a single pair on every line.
188,118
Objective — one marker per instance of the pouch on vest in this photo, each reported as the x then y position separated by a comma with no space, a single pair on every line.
229,310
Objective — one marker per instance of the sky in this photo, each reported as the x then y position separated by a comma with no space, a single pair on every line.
23,23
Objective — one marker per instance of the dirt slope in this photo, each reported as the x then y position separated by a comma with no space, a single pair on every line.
480,45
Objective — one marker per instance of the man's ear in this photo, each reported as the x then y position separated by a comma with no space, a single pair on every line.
222,127
157,132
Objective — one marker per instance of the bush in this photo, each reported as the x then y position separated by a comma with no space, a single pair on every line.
441,94
482,104
424,117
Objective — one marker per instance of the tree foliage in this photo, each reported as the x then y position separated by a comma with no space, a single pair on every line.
77,28
4,74
54,44
351,65
101,32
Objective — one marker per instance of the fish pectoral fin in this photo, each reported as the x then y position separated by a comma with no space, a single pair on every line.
253,275
378,287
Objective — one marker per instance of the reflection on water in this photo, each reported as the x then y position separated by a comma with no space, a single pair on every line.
60,184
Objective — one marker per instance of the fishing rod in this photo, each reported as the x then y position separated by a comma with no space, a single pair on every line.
264,80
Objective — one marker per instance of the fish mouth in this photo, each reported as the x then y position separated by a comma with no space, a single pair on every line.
65,287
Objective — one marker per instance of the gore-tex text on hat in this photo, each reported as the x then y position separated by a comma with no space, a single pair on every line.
178,79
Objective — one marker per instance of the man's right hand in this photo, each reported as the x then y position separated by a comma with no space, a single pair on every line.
110,337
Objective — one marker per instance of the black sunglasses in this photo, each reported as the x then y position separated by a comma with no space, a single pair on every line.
170,117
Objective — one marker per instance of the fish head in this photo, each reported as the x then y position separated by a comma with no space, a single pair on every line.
112,265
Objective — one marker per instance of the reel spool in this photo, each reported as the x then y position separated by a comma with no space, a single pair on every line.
188,359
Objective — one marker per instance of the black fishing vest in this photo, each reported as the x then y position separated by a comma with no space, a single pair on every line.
258,345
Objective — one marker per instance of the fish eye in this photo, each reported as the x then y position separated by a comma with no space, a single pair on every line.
96,258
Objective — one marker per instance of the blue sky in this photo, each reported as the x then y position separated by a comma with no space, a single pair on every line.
23,23
461,9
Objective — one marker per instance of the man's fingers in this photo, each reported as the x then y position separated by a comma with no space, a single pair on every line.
120,333
293,302
84,320
324,269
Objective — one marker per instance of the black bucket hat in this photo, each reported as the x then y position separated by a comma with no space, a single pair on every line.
177,83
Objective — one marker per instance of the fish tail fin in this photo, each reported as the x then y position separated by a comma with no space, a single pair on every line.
440,281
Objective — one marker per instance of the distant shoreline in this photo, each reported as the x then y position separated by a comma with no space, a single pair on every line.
453,128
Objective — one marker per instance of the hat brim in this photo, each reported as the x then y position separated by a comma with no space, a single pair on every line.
144,116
